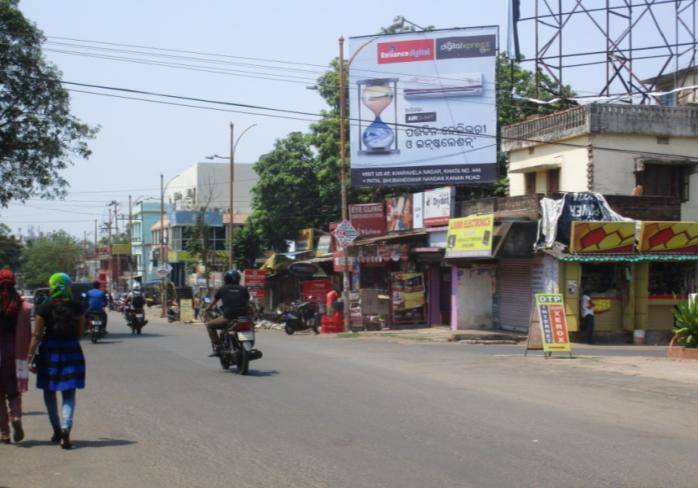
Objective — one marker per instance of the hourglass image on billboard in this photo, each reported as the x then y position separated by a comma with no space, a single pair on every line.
377,130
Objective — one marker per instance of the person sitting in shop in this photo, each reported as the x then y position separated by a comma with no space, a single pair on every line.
587,312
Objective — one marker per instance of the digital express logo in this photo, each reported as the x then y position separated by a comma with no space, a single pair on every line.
405,51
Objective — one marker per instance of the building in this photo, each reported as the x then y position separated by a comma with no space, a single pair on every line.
684,78
208,185
145,215
608,149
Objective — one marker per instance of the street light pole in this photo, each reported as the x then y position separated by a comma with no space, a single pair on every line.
162,243
231,212
342,181
130,241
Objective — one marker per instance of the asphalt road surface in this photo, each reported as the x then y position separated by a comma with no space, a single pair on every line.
331,412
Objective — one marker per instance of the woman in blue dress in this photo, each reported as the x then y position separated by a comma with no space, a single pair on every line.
60,363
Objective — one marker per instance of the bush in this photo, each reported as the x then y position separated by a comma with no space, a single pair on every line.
686,324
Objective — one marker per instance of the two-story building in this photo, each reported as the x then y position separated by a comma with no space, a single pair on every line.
145,215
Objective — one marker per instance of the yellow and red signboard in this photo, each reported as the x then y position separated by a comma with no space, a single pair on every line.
553,324
668,236
605,237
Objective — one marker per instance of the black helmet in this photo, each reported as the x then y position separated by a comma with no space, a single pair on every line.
96,284
231,278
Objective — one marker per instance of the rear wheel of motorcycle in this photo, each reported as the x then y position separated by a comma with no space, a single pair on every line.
243,361
289,330
225,361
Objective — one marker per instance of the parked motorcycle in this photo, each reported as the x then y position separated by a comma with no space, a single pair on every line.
173,313
96,327
302,316
237,344
135,319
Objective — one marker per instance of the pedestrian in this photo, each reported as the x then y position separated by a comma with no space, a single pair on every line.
196,303
587,306
60,364
15,332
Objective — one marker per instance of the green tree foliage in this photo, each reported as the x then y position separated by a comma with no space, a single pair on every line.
10,249
48,254
38,135
247,245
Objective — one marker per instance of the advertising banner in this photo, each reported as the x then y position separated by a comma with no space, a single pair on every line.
438,206
668,236
324,245
304,242
602,237
470,236
408,297
550,309
368,218
398,212
186,310
422,106
121,249
343,262
418,210
316,290
254,281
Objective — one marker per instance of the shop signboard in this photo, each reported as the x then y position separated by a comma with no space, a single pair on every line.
438,206
602,237
368,218
382,254
549,315
121,249
470,237
186,310
304,242
342,262
678,237
408,297
316,290
324,245
425,108
418,210
254,281
345,233
399,213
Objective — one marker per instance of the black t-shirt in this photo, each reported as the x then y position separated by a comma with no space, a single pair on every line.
235,299
138,302
58,325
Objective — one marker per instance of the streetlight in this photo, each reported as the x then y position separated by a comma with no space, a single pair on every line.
233,145
163,254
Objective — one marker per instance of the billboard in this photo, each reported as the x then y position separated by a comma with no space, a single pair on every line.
669,236
304,241
438,206
610,237
398,213
422,108
470,237
368,218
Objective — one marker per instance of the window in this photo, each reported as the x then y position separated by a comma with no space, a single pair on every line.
669,279
530,183
553,177
217,236
664,180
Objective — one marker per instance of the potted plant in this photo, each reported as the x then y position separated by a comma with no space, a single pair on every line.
684,344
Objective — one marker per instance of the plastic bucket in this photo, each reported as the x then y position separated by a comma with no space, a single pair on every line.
639,337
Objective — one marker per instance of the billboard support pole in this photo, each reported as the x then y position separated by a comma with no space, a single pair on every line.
342,177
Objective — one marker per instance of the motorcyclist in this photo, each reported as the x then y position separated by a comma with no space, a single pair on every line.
134,302
96,301
234,299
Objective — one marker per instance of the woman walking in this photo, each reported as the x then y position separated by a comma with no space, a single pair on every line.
60,365
15,331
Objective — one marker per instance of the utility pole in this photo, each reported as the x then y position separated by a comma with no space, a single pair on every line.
96,236
232,187
346,284
130,241
162,243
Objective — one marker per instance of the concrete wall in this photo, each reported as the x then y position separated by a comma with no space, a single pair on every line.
572,162
473,298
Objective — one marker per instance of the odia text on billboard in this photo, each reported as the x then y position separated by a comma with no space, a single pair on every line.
422,108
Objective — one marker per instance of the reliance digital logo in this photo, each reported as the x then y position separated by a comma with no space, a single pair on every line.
405,51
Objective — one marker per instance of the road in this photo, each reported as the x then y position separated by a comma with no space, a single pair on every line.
331,412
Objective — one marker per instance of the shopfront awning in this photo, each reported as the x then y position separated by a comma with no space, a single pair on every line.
390,237
619,258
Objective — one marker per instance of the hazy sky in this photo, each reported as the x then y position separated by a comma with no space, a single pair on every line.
138,140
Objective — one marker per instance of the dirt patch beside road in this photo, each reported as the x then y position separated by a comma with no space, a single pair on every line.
682,371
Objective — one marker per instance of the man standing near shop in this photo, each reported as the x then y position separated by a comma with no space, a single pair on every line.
587,307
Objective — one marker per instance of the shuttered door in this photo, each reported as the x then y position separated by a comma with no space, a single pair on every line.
514,293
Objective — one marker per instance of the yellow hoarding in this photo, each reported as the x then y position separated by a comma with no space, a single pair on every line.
304,242
602,237
668,236
470,236
121,249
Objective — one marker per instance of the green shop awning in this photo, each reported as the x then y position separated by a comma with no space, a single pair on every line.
620,258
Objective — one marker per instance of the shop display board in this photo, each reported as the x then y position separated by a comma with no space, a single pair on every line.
254,281
408,302
186,310
679,237
606,237
548,327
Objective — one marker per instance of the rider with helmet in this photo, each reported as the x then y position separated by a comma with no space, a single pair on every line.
96,301
234,299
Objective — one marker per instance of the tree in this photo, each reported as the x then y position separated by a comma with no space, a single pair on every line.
286,198
10,249
247,245
38,135
48,254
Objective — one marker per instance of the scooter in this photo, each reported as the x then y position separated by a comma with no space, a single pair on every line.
96,327
303,316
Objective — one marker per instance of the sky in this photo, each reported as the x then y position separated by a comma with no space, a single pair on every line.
138,141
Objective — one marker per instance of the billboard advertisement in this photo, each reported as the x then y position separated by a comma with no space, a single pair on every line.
368,218
398,213
470,237
422,108
438,206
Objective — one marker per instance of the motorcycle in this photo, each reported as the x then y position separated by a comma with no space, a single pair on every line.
237,344
173,314
303,316
136,320
96,327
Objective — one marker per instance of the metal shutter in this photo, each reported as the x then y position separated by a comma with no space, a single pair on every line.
514,293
